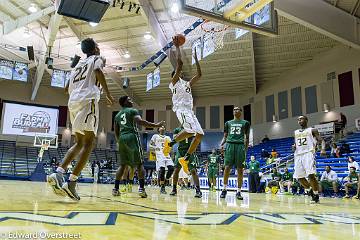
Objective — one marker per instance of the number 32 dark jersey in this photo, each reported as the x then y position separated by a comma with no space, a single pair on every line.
305,141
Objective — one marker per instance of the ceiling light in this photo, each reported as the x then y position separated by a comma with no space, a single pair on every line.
147,36
93,24
33,8
175,8
127,55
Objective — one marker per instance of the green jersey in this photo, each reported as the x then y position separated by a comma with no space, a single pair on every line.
287,177
236,130
254,166
213,161
353,177
276,176
126,121
185,144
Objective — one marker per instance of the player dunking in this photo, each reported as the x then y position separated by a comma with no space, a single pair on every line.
84,87
306,139
128,138
163,160
183,107
236,136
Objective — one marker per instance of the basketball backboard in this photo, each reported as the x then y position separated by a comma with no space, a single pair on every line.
41,139
257,16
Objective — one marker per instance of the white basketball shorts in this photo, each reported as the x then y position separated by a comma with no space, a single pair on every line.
162,161
305,165
84,116
189,121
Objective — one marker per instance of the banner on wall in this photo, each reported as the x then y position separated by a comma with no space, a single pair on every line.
232,183
326,129
26,120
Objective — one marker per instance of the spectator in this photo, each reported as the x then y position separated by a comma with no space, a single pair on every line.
333,150
329,179
353,163
265,139
254,179
286,180
343,122
264,154
351,181
338,152
274,154
273,184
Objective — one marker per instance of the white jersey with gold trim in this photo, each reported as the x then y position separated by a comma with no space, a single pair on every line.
83,85
305,141
182,98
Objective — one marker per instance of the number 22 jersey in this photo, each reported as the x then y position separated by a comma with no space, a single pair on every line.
305,141
83,84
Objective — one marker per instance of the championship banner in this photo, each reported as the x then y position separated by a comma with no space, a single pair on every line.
232,183
326,129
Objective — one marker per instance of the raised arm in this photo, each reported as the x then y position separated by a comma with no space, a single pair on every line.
198,69
101,78
147,124
319,139
179,64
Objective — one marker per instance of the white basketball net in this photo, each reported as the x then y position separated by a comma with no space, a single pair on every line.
217,30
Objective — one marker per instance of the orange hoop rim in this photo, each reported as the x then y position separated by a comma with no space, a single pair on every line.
213,30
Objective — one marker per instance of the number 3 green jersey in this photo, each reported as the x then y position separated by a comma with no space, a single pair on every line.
236,130
126,120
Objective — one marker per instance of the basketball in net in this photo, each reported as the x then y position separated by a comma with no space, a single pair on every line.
217,30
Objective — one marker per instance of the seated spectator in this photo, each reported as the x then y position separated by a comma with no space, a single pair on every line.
338,152
273,184
351,181
286,180
265,139
274,154
333,150
264,154
353,163
329,179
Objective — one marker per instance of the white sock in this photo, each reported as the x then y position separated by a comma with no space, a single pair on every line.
239,189
60,170
73,178
316,192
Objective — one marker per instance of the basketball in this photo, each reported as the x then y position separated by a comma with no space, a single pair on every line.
179,40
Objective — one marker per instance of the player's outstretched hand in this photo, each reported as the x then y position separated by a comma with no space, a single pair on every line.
176,41
159,124
110,100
